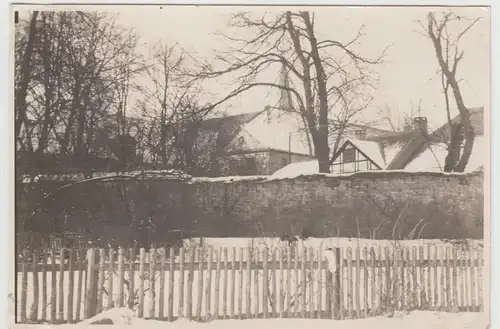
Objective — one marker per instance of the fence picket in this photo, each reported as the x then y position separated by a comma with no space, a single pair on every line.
189,297
472,281
142,260
463,298
282,293
303,280
310,277
100,283
339,286
297,284
401,272
233,284
81,267
365,281
240,292
89,300
455,303
71,283
319,301
442,278
288,294
131,278
161,298
435,275
224,287
44,286
171,275
415,287
389,292
374,270
422,283
217,284
255,282
357,285
273,283
121,277
152,280
24,286
181,311
448,275
265,284
53,288
480,280
249,283
199,292
111,272
468,278
349,284
34,305
208,285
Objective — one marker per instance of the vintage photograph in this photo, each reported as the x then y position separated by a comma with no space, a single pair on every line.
251,166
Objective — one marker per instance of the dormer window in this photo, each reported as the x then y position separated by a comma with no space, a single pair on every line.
241,141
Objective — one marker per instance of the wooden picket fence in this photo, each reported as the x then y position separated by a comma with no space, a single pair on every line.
241,283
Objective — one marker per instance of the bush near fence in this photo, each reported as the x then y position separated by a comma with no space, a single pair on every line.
205,284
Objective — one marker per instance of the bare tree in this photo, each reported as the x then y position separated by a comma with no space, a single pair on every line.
323,69
172,111
77,66
24,75
448,55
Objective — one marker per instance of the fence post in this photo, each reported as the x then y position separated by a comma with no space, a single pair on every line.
90,300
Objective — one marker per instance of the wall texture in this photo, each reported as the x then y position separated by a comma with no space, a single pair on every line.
366,204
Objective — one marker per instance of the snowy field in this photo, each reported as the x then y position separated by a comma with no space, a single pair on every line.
124,318
364,289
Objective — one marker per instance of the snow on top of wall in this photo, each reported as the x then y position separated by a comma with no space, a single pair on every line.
433,158
371,149
165,174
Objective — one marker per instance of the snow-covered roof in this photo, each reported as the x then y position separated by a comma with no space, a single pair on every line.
391,150
371,149
297,169
274,129
432,159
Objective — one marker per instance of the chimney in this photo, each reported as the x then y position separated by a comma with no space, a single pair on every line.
420,124
360,133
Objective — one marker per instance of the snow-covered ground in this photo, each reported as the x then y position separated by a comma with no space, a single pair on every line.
124,318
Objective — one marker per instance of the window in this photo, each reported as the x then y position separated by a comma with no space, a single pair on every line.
284,162
349,155
241,141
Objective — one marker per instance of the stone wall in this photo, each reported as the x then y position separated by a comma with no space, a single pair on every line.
370,205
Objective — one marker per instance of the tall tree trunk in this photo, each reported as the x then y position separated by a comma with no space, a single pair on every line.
465,122
21,92
323,150
48,86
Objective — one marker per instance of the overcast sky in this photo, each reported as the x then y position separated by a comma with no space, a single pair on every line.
405,77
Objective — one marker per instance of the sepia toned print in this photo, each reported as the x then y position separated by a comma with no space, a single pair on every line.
251,166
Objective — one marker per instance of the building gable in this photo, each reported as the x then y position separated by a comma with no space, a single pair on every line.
355,156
